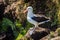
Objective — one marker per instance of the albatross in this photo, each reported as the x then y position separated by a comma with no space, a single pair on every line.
33,19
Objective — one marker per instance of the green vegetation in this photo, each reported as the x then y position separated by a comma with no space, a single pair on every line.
58,31
52,34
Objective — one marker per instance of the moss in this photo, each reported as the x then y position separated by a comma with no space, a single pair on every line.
58,31
52,34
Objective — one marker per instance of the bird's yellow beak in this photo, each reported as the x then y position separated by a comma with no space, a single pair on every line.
25,11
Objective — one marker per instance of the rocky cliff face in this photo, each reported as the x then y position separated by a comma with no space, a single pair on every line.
37,34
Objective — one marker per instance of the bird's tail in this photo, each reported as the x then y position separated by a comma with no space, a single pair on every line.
43,22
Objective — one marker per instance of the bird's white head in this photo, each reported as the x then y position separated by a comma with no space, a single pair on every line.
30,9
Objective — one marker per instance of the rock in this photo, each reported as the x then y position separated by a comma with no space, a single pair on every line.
37,33
9,34
56,38
46,37
2,35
